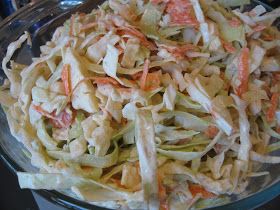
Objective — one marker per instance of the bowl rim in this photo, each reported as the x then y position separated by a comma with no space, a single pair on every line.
60,199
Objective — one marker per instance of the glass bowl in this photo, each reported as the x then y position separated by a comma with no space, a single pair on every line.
40,20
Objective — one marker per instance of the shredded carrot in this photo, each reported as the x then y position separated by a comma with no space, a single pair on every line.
65,77
267,37
179,51
181,13
71,29
144,75
134,32
86,168
50,116
88,26
243,71
211,131
197,189
229,47
40,110
162,194
270,115
117,182
106,80
234,22
137,76
97,80
152,81
161,188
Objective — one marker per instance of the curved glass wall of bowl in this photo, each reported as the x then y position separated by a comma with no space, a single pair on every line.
41,20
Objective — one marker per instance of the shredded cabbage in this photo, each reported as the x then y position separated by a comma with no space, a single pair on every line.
149,104
87,159
187,156
233,3
144,137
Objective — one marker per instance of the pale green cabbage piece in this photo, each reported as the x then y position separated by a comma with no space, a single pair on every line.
172,134
124,130
188,146
187,156
98,132
110,62
76,129
130,53
186,120
169,97
98,50
97,191
88,159
244,129
170,31
44,137
78,147
218,110
269,130
150,20
186,101
273,147
12,74
233,3
83,96
145,143
231,34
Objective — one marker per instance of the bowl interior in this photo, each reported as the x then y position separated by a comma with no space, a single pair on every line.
40,20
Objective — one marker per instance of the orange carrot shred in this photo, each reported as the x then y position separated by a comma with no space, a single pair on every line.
197,189
270,115
134,32
243,71
211,131
65,77
117,182
88,26
267,37
162,194
71,29
106,80
181,13
179,51
144,75
51,116
40,110
152,81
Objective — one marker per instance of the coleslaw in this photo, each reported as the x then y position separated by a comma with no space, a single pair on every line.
160,104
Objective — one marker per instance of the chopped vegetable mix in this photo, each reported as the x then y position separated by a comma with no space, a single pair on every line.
160,104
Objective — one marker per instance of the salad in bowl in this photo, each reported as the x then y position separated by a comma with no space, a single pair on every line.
157,104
